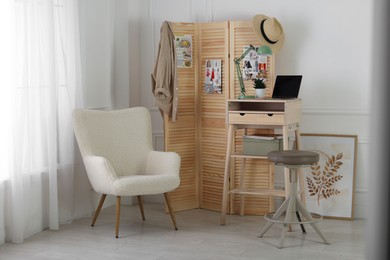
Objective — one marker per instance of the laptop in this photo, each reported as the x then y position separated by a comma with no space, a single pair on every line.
287,86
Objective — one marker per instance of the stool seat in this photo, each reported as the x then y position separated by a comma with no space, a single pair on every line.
293,157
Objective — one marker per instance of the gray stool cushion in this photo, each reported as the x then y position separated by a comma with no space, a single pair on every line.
293,157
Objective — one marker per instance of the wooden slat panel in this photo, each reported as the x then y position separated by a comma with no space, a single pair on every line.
181,135
241,34
213,38
257,172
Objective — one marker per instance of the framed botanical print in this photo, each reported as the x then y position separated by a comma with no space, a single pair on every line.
329,185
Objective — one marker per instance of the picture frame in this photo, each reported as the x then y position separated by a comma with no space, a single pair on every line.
329,185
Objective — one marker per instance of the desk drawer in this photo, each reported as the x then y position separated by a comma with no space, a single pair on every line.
256,118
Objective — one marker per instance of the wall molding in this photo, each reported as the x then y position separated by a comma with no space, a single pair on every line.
335,111
363,141
364,191
158,140
154,109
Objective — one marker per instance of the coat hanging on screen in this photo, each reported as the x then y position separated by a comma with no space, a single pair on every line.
164,84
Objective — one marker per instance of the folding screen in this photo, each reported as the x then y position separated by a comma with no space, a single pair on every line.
199,133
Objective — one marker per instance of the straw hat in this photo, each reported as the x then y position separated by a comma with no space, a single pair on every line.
269,31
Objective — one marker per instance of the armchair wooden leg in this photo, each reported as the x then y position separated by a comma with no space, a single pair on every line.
102,198
141,206
170,210
118,213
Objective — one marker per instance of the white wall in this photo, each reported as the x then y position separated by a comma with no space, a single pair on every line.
136,17
120,55
95,36
105,45
328,41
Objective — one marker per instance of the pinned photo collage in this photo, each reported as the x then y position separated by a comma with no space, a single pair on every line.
184,51
213,79
254,65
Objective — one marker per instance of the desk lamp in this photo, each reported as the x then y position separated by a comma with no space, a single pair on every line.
263,50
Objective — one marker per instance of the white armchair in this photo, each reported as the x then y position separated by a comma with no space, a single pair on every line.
118,154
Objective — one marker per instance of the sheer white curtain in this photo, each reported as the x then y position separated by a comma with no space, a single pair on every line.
43,81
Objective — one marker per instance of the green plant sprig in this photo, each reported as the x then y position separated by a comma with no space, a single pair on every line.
259,83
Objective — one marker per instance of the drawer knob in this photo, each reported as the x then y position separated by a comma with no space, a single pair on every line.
270,114
242,114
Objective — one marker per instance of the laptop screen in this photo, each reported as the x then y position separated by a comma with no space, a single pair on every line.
287,86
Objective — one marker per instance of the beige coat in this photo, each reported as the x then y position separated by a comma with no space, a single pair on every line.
164,85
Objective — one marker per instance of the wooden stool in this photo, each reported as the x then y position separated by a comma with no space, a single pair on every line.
292,206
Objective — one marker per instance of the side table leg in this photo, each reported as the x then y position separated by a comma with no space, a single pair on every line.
242,181
300,172
286,170
242,186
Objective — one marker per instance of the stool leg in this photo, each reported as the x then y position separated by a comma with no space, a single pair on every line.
307,215
289,216
300,220
283,236
291,209
277,214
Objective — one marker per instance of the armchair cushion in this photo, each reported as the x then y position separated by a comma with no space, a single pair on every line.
133,185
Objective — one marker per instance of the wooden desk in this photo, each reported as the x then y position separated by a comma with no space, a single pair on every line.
258,113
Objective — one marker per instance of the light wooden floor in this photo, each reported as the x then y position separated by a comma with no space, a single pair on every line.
199,237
